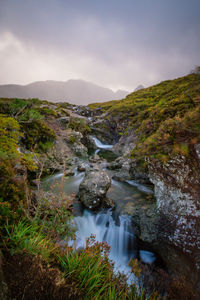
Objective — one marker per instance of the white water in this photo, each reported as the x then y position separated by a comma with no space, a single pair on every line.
100,145
119,238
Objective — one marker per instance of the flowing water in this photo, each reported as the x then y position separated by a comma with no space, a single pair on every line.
111,226
100,145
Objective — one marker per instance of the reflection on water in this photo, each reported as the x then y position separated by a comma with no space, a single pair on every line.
122,193
71,183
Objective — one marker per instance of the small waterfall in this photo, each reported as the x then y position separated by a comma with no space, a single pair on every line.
102,225
99,144
96,151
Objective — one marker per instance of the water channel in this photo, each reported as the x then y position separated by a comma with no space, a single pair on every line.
112,226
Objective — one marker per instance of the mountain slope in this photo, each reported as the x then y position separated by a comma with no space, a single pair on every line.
74,91
166,116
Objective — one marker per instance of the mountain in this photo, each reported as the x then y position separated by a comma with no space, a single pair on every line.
139,87
75,91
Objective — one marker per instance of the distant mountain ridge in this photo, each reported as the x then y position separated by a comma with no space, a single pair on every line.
75,91
139,87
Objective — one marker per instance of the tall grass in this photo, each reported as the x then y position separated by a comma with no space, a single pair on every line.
89,269
26,237
93,272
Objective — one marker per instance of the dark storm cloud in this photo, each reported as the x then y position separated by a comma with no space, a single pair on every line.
112,42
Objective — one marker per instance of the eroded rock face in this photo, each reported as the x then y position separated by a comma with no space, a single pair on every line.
177,190
144,219
93,189
125,144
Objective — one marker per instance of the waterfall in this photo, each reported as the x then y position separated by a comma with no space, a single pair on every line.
102,225
99,144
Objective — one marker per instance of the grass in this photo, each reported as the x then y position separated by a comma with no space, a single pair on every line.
89,270
165,117
28,238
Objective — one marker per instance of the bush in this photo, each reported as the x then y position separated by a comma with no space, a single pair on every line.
80,125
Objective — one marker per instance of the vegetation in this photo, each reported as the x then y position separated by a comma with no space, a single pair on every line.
32,229
80,125
165,117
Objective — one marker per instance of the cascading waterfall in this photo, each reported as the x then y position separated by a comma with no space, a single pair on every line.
99,144
102,225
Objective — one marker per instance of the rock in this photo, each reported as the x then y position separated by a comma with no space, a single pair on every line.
177,191
138,172
115,165
80,150
93,189
82,110
82,167
69,173
95,158
144,219
125,144
64,122
89,143
121,166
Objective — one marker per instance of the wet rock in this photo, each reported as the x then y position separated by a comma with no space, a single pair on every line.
88,142
95,158
121,166
69,173
82,167
144,218
93,189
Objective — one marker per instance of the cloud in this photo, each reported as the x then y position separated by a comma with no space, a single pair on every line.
118,44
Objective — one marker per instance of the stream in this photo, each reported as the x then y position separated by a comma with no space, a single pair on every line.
112,226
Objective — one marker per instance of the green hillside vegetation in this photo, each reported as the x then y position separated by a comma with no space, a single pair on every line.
166,117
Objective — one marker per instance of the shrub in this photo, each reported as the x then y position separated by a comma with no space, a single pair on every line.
80,125
38,136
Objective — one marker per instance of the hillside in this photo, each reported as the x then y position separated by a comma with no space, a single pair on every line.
165,117
158,132
73,91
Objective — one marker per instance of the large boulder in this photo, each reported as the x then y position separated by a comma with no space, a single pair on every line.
93,189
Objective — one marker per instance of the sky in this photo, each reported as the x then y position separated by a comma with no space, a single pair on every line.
118,44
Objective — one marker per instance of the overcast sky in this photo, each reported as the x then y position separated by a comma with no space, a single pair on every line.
114,43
